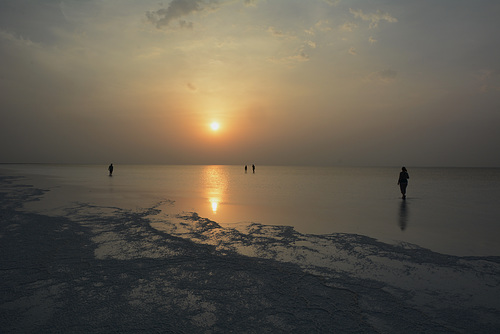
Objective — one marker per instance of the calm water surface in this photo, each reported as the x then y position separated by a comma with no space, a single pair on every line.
449,210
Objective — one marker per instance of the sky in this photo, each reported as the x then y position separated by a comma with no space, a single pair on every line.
290,82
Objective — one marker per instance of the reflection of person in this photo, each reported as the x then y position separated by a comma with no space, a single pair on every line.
403,216
403,181
110,168
253,168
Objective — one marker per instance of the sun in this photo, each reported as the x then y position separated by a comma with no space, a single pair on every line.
215,126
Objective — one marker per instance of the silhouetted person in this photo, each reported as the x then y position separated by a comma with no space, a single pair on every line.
403,181
253,168
110,168
246,168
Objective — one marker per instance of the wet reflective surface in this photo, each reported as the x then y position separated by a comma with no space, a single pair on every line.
214,182
451,211
95,268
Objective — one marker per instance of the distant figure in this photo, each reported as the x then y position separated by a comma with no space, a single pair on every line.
403,181
110,168
253,169
246,168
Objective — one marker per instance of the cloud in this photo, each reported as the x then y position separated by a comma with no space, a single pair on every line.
178,9
385,76
373,18
489,80
11,38
320,26
311,44
38,21
348,26
372,40
299,57
352,51
332,2
250,3
323,26
275,32
185,24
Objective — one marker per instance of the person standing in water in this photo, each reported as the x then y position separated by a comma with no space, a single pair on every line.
403,181
110,168
253,168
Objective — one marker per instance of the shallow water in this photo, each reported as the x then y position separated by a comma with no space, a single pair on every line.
448,210
94,254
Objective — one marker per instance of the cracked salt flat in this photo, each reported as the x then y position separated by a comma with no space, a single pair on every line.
427,278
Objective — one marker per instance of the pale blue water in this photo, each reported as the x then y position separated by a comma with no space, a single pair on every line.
448,210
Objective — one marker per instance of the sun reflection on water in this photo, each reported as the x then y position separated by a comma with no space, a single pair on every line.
214,181
215,204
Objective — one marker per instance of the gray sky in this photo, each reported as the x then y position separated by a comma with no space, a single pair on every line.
317,82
